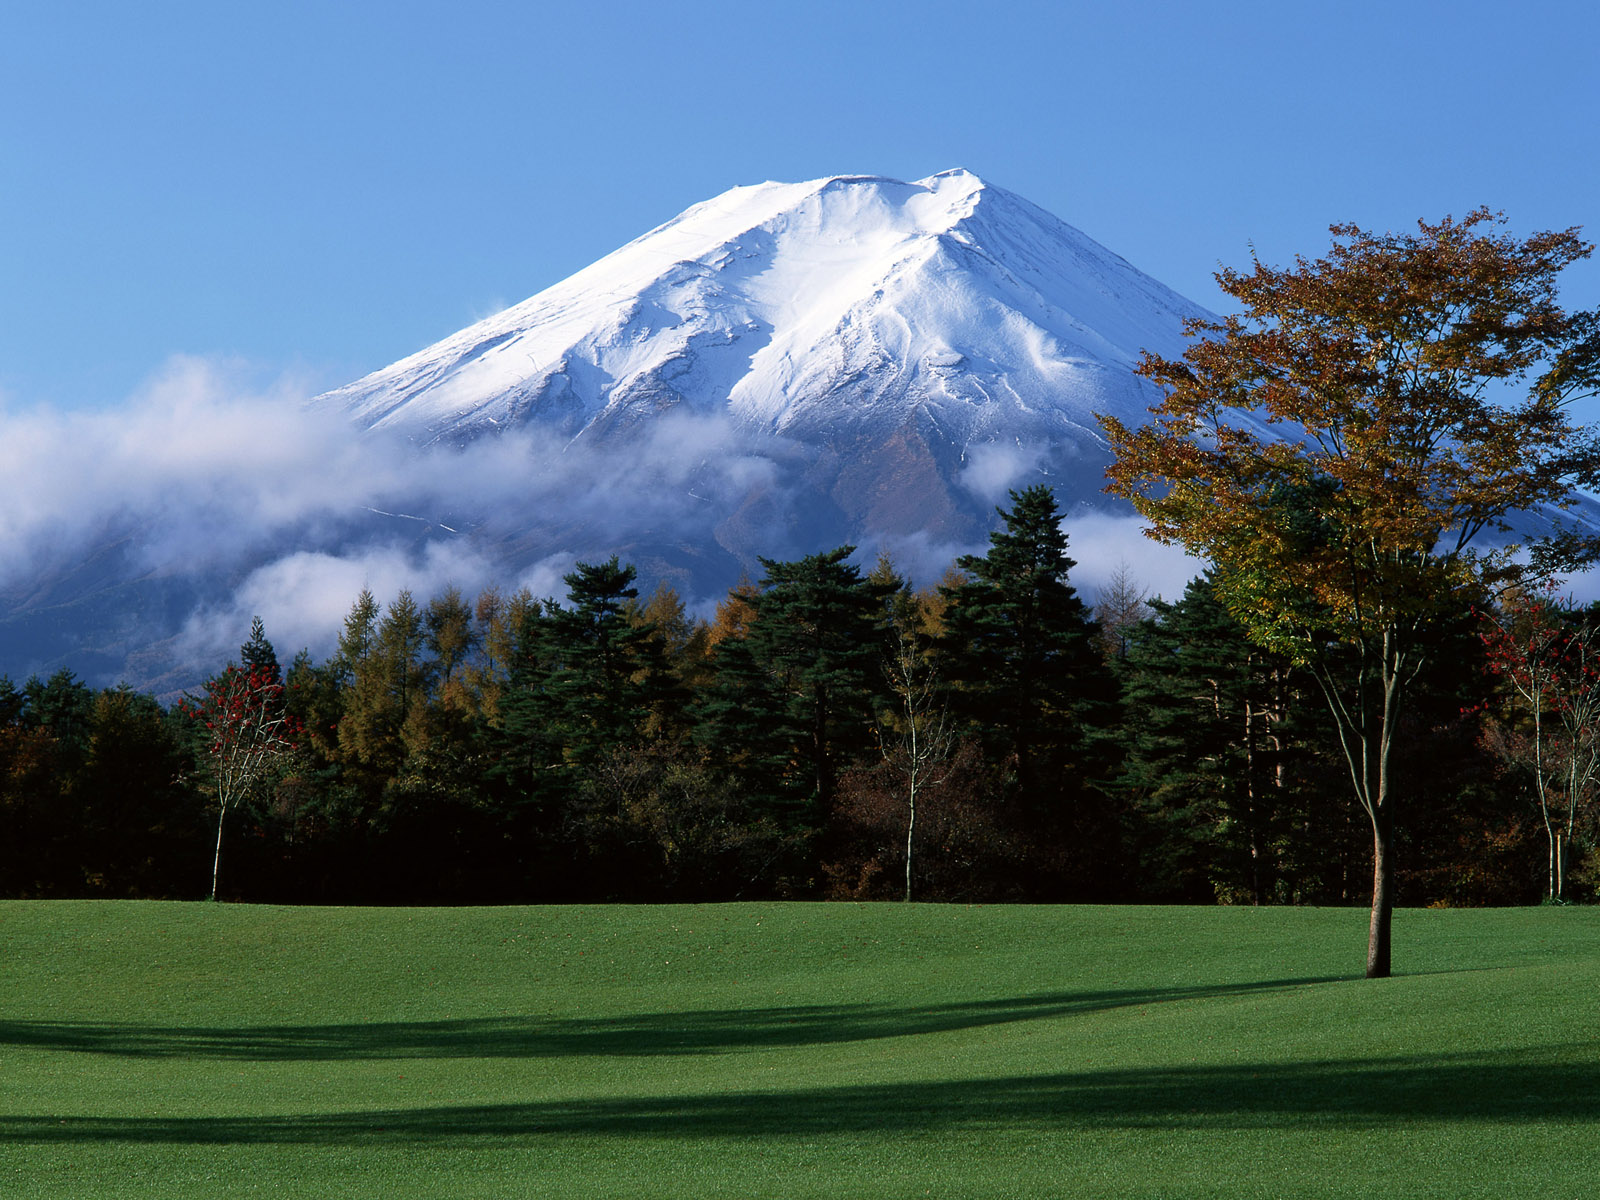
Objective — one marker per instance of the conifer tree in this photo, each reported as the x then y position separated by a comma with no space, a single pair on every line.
488,671
388,684
683,648
740,721
609,670
818,633
257,655
529,744
1205,740
356,638
1024,654
450,638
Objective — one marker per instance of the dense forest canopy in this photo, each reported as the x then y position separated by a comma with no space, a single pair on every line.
830,733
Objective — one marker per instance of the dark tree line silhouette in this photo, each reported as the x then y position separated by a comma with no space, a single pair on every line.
831,733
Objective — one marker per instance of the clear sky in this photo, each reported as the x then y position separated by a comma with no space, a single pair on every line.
323,188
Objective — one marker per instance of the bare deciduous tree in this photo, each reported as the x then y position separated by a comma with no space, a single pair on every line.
917,739
1121,605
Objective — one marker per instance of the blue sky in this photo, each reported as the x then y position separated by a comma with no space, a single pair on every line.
319,189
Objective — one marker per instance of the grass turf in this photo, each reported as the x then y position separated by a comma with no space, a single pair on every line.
180,1050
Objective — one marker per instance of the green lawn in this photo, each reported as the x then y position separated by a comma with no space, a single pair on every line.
176,1050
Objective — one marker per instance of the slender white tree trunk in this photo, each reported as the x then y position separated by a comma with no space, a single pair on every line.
911,827
216,859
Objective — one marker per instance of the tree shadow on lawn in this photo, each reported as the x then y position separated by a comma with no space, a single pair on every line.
1340,1096
645,1034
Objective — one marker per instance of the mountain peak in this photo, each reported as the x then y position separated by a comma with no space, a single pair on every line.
789,307
778,370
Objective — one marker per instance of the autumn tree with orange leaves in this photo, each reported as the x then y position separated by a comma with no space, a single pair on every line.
1339,447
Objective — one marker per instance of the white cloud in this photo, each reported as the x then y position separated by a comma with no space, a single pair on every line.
274,509
279,510
196,471
993,469
304,597
1103,542
918,557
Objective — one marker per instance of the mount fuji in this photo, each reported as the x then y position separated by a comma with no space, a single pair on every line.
778,370
904,351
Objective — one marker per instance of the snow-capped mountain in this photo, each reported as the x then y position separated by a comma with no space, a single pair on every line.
921,345
776,371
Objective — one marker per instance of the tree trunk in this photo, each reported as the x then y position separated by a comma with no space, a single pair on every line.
911,827
1382,895
216,859
1558,868
1550,866
819,748
1366,732
1252,816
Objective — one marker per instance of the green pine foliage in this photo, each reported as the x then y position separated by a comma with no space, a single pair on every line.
1023,652
609,672
818,636
831,733
1029,678
1209,752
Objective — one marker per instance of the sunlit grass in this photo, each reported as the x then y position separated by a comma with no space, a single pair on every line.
794,1050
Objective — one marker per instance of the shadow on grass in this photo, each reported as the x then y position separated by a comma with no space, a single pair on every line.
648,1034
1341,1095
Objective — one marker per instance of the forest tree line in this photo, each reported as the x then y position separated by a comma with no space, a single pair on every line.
831,733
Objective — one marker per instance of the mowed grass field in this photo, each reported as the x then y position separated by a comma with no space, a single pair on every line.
794,1050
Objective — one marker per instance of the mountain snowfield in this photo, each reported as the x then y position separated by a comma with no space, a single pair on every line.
928,344
777,371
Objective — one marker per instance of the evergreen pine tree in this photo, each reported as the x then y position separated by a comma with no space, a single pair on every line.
1206,751
528,746
257,656
608,670
741,722
818,635
1023,652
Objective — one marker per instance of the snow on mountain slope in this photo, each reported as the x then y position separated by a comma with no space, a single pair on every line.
839,307
776,371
